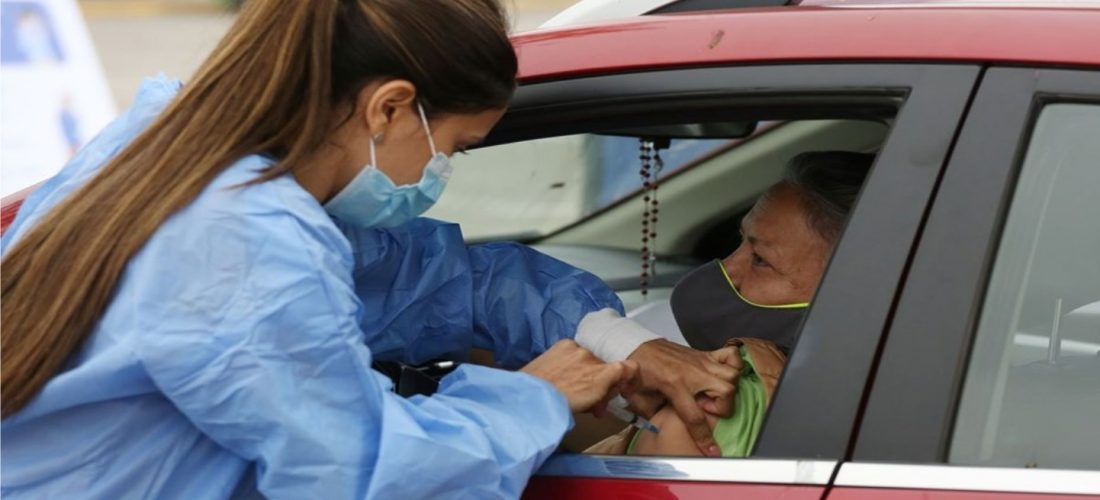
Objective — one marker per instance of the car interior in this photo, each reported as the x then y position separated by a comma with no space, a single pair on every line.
544,192
581,199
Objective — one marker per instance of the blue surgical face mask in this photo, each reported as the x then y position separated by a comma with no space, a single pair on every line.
371,199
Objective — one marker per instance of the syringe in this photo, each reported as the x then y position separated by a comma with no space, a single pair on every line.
617,407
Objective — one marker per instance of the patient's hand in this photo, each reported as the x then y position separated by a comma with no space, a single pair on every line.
698,385
674,438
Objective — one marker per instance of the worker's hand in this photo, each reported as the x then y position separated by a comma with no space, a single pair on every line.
586,382
694,382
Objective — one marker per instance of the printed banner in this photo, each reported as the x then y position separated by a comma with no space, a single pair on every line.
53,91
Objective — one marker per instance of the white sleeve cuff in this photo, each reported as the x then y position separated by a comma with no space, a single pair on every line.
611,337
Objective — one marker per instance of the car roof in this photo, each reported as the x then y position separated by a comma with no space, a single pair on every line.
1061,36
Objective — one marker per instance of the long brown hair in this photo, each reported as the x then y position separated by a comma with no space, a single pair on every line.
275,84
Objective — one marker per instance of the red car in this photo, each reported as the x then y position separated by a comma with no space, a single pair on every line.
953,348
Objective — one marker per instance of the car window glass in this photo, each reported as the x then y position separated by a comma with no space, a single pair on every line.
530,189
733,178
1031,396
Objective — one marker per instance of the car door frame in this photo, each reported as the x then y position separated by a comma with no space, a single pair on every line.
829,367
906,430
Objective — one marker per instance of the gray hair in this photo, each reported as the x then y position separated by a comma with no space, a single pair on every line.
829,182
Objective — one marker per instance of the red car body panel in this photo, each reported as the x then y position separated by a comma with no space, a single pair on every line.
555,488
815,34
9,207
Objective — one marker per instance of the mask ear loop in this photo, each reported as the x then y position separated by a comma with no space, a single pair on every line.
427,129
373,158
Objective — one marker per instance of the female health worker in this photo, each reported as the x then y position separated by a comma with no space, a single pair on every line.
191,307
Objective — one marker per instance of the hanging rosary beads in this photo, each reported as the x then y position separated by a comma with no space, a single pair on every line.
651,171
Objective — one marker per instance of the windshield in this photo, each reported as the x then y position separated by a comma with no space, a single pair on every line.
527,190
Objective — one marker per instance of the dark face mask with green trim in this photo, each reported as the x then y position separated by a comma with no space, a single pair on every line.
709,311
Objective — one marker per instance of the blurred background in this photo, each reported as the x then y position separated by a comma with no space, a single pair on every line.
69,66
137,38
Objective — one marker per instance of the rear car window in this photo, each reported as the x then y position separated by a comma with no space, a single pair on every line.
1031,397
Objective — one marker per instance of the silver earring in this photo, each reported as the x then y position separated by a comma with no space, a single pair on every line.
378,137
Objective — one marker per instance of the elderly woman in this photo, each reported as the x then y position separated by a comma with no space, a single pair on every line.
755,298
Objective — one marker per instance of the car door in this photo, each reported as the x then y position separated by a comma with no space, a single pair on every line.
989,381
810,423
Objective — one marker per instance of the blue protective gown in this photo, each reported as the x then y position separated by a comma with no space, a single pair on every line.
237,354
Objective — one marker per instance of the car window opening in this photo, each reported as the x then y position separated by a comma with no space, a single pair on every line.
583,198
